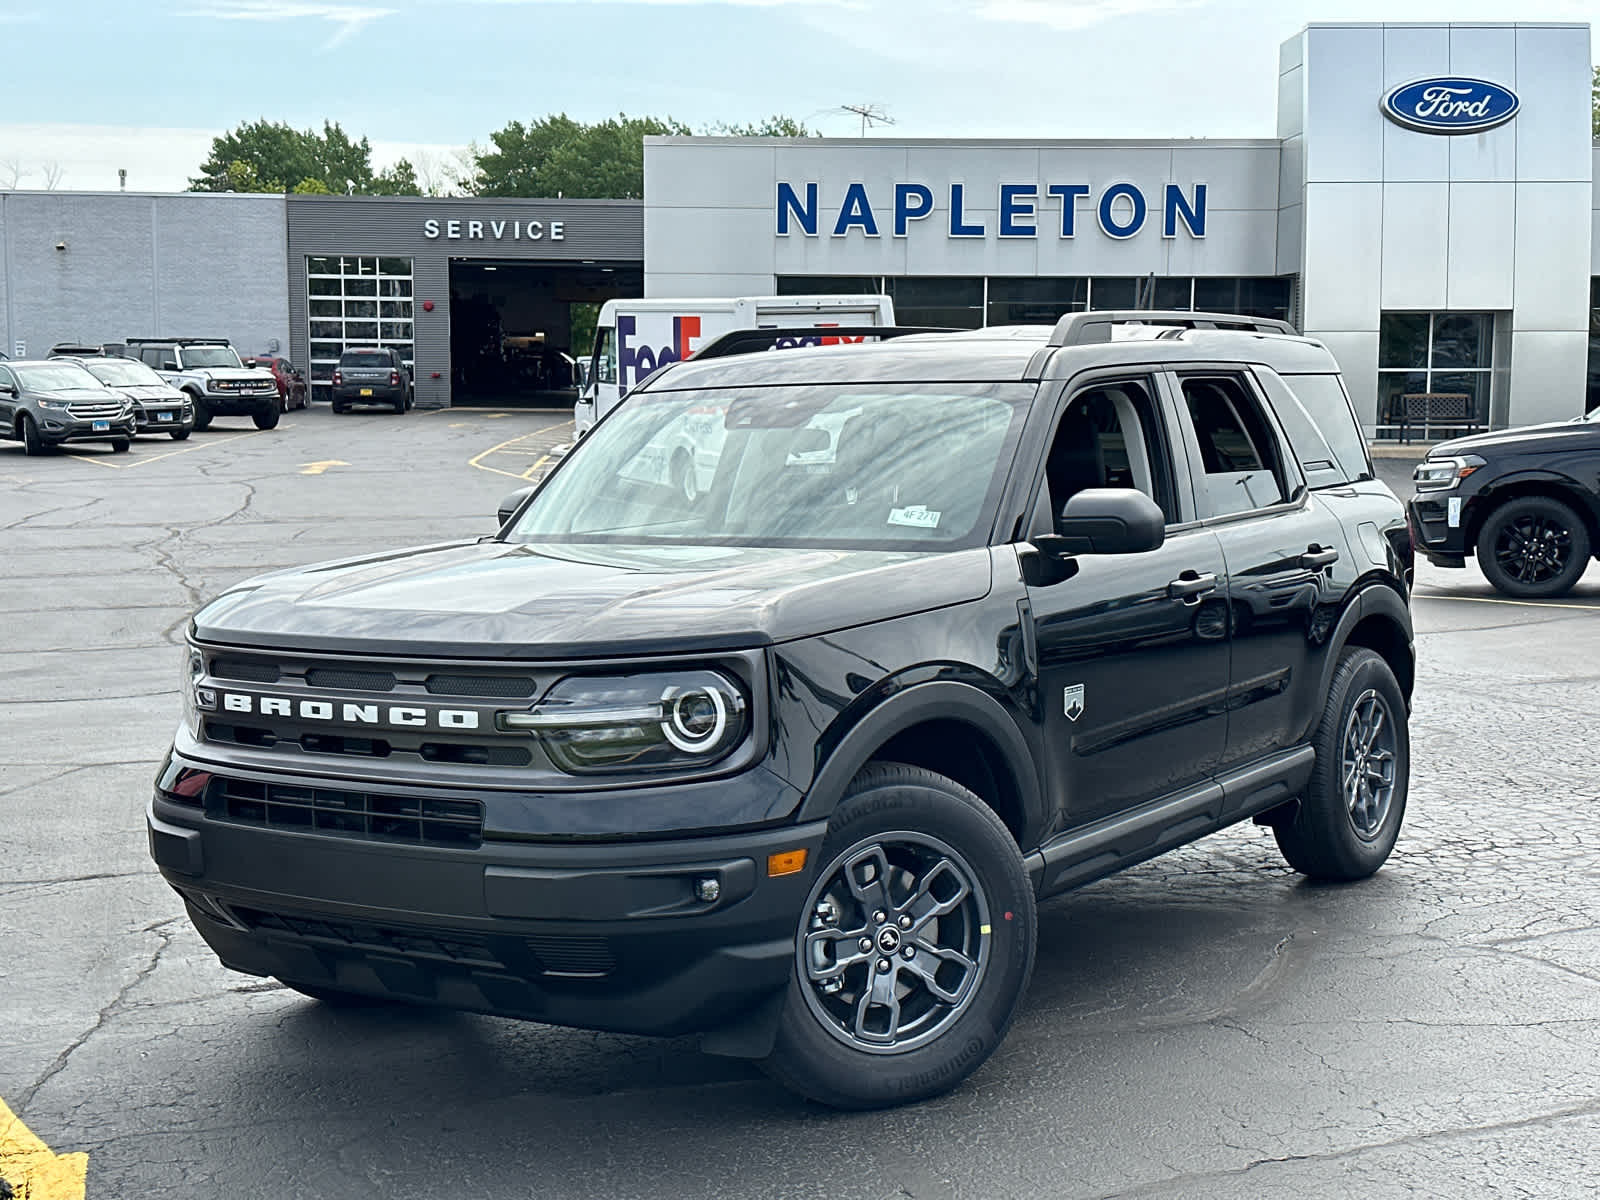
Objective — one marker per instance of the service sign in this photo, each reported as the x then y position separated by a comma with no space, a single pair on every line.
1450,104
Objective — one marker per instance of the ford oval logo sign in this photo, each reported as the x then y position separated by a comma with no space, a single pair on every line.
1451,104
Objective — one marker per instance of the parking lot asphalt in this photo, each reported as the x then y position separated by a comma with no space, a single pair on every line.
1206,1025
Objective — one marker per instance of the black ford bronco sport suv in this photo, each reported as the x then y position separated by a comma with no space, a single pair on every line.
952,623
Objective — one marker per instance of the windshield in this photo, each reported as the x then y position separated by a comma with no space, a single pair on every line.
853,466
121,371
210,356
55,377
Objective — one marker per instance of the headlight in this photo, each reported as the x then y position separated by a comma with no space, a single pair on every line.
195,699
637,722
1436,474
54,402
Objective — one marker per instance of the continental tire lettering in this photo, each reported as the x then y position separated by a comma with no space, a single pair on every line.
952,1066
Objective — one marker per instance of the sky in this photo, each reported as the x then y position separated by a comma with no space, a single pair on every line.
94,85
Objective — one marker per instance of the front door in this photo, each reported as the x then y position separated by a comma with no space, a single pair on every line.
1133,648
1287,561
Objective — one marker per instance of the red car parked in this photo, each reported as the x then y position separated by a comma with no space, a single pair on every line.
293,392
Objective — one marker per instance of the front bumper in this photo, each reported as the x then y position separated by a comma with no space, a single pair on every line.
225,404
604,936
1439,521
161,418
56,426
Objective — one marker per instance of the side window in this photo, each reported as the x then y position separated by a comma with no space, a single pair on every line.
1243,465
1109,436
1321,426
605,355
151,356
7,378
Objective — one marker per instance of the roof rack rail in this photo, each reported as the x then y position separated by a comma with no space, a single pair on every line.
749,341
1084,328
177,341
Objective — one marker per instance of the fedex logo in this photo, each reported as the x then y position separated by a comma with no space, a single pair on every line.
637,360
815,339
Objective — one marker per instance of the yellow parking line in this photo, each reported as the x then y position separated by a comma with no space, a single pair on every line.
1517,603
528,474
141,461
476,459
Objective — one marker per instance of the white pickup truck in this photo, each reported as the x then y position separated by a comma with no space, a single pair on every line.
634,337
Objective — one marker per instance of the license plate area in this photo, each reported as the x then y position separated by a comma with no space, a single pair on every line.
102,426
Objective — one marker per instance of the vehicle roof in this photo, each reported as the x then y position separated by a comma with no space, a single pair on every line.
995,354
47,362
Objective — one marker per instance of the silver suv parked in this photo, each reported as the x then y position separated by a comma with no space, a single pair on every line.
46,402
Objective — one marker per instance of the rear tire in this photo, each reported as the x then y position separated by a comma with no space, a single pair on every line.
266,419
1350,815
933,995
400,405
340,408
33,442
1533,547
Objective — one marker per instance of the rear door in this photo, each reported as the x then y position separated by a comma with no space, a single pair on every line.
1132,648
1286,556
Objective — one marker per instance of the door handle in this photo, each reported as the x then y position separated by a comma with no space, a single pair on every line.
1191,585
1316,557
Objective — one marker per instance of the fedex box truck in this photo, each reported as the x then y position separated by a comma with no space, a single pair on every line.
635,337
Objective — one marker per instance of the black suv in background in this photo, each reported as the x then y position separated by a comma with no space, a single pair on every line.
372,376
1525,501
786,759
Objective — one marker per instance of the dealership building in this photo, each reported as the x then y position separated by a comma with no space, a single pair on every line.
1427,209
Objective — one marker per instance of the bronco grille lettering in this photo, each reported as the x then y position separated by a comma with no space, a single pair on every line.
351,714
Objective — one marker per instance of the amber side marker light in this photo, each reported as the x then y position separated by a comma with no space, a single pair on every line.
790,862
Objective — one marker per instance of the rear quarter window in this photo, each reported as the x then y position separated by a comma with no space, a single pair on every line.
1315,413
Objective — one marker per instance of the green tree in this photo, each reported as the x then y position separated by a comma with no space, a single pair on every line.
271,156
310,187
776,125
558,156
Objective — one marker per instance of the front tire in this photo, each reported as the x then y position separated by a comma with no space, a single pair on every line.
1350,815
266,418
922,873
120,445
1533,547
178,435
33,442
202,414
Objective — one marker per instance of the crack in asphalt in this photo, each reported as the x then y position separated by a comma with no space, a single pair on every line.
164,935
1185,1184
17,885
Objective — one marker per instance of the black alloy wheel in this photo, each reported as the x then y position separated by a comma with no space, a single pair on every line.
1533,547
1346,824
913,950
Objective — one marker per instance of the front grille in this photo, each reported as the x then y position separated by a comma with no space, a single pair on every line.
582,957
420,820
95,408
465,948
351,681
249,670
369,747
497,686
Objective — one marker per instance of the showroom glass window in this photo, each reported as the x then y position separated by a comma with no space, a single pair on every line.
357,301
1433,373
1592,399
969,302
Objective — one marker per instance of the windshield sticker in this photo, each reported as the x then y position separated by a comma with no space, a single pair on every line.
917,516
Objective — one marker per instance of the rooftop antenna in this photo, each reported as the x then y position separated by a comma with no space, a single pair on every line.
870,114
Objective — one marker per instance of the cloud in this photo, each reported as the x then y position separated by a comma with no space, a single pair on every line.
1067,15
346,19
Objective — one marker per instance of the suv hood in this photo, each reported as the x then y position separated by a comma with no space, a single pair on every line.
1550,438
499,600
77,395
248,374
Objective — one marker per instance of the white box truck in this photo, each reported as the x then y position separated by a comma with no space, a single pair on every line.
634,337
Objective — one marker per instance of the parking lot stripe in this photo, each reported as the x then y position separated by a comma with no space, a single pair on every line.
1517,603
476,459
139,462
528,474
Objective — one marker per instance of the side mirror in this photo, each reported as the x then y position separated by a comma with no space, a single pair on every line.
168,365
1106,521
7,390
511,503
